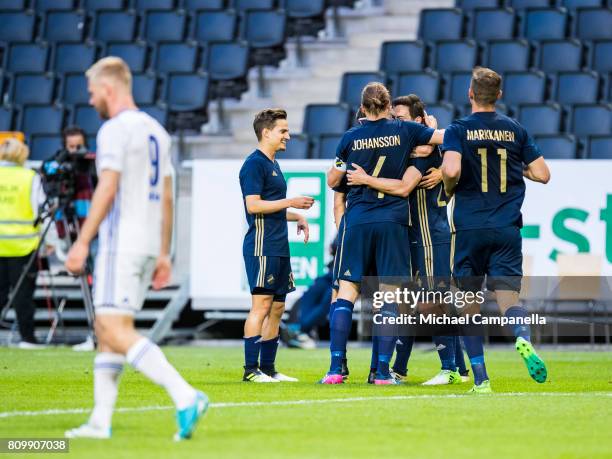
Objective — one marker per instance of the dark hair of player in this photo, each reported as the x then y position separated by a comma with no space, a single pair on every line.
73,130
375,98
415,106
266,119
486,85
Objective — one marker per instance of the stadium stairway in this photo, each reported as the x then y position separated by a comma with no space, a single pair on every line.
314,79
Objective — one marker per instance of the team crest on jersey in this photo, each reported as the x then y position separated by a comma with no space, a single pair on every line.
347,272
270,279
274,174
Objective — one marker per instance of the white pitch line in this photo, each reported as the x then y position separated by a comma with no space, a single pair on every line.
11,414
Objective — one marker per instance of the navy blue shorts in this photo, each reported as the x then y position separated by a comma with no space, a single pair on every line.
382,248
269,275
432,261
494,252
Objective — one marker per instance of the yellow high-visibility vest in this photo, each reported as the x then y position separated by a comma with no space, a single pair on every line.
18,235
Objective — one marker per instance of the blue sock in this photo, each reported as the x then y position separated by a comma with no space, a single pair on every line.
332,306
445,345
459,358
519,330
386,343
374,359
475,351
403,349
268,354
251,352
340,328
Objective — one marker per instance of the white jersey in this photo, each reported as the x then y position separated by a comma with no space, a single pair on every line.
137,146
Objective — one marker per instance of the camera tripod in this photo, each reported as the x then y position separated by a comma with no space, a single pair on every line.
49,212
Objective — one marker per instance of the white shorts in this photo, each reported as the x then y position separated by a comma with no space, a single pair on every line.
121,282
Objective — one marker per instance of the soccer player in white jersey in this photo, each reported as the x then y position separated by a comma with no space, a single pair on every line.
132,211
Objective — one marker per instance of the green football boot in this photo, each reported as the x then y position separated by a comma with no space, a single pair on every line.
482,388
535,365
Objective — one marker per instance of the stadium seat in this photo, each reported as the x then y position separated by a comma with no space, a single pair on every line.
164,26
242,5
43,146
402,56
95,5
265,31
524,88
144,88
457,86
560,56
561,146
195,5
46,5
73,57
17,26
444,113
455,56
41,119
540,119
545,24
574,4
6,118
522,4
577,88
468,5
593,23
305,17
507,55
74,89
425,84
441,24
591,119
34,88
297,147
114,26
64,26
352,85
27,57
328,145
91,143
12,5
145,5
134,54
322,119
87,118
159,112
187,92
176,57
214,26
227,67
601,60
493,24
599,147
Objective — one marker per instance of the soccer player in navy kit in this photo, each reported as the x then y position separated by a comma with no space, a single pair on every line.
486,157
429,236
266,245
375,222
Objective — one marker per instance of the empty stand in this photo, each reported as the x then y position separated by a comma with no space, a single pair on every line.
44,146
144,88
541,119
33,88
297,147
176,57
17,26
265,31
545,24
455,56
164,26
64,26
562,146
524,88
508,56
41,119
87,118
402,56
134,54
322,119
594,23
353,83
74,89
577,88
227,66
591,119
112,26
441,24
73,57
599,147
27,57
214,26
560,56
425,84
493,24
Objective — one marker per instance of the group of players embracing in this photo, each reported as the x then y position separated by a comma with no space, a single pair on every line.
394,176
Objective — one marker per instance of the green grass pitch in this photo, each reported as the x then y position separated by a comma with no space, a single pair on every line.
566,417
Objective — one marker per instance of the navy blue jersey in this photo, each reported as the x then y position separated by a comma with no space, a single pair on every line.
382,148
494,148
428,216
267,233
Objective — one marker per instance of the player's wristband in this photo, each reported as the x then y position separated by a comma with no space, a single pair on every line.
340,165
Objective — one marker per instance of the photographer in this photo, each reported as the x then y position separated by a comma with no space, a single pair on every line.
82,179
20,196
